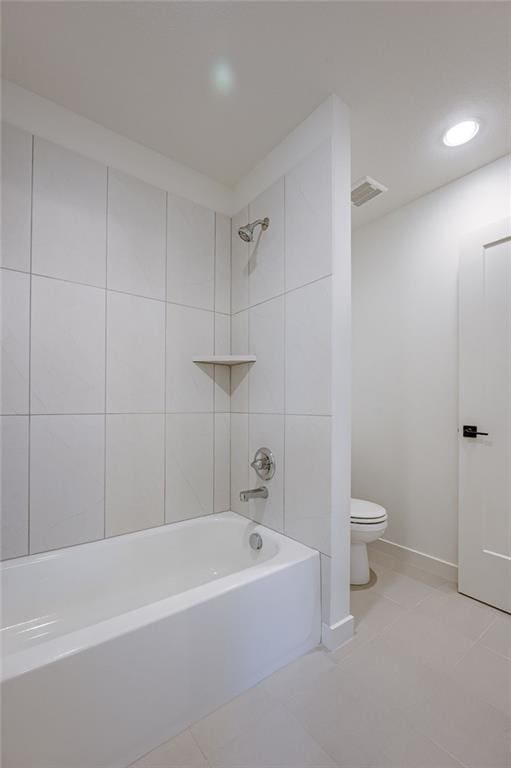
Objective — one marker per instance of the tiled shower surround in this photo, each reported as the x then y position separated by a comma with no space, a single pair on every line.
109,288
281,305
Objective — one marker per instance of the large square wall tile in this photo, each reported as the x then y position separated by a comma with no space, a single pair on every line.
267,431
266,264
69,215
16,197
66,480
309,349
239,264
309,219
135,354
14,486
190,254
134,472
222,500
307,480
222,263
266,342
190,458
67,348
136,236
239,461
15,317
190,386
222,372
239,373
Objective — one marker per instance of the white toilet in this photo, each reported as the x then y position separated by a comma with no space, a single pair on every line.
368,523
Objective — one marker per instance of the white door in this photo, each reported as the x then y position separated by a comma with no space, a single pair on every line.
485,404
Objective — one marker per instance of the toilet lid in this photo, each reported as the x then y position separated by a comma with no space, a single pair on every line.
367,511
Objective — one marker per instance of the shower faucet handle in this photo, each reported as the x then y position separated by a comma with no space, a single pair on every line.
264,463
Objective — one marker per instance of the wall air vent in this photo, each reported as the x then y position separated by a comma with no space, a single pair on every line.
366,189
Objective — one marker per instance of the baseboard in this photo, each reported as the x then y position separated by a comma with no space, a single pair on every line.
411,557
335,636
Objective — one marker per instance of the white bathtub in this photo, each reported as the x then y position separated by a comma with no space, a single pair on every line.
113,647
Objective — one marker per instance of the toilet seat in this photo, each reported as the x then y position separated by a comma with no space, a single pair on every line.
367,513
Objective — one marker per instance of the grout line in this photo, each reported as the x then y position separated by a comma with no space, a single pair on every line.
165,362
113,290
215,368
106,353
14,269
29,453
282,293
189,729
284,257
116,413
475,642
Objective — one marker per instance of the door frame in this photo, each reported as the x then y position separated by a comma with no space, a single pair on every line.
469,571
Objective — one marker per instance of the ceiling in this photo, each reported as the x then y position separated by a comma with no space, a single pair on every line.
147,70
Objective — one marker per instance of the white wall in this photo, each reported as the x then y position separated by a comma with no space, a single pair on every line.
405,305
109,287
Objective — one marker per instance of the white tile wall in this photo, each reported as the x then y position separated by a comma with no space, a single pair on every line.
266,265
14,485
239,373
190,254
309,219
309,349
136,236
15,310
222,495
135,469
69,215
239,264
190,333
285,401
135,377
96,367
307,480
16,197
189,484
67,347
66,480
266,342
268,431
127,352
222,372
223,264
239,460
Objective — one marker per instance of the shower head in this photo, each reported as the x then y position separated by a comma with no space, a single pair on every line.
247,232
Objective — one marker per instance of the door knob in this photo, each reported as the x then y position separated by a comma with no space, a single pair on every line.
471,431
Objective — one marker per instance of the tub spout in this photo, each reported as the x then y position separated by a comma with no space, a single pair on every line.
255,493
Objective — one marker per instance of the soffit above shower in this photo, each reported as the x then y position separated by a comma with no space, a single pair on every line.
217,85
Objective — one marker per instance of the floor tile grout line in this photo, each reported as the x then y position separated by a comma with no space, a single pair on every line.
189,730
306,728
475,642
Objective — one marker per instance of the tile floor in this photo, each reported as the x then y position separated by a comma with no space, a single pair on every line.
426,683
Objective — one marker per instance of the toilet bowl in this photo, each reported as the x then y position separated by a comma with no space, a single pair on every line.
368,523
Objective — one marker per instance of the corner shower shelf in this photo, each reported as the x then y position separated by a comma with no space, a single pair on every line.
226,359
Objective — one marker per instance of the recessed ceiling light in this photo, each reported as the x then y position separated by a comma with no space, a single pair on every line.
461,133
222,76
